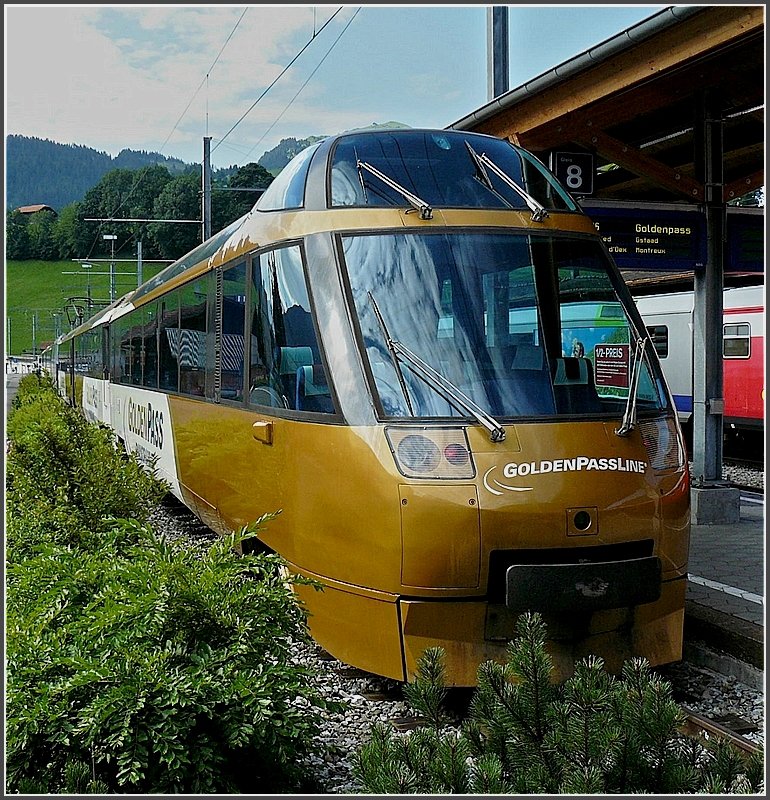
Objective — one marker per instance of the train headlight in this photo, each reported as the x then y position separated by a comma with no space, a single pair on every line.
418,453
431,452
662,443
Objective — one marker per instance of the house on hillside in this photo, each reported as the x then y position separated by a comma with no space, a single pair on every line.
35,208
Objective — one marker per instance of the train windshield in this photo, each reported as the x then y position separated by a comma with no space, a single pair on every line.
521,325
447,169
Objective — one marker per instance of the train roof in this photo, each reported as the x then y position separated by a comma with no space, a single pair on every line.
401,167
734,297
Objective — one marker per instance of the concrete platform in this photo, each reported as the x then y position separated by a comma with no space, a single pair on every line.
725,601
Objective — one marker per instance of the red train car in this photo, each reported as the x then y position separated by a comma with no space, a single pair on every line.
668,318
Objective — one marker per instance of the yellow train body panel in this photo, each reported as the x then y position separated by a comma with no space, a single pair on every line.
384,548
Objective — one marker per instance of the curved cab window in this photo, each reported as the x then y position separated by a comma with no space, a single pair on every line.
525,326
285,369
288,189
442,169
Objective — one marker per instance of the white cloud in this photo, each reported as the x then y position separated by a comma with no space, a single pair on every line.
116,77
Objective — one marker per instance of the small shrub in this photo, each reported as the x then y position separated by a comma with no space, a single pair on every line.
593,734
164,670
65,476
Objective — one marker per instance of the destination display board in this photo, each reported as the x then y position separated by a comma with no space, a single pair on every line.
652,239
672,240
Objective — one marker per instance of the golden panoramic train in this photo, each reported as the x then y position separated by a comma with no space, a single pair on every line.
417,348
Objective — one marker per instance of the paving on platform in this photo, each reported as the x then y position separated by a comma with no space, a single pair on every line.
725,601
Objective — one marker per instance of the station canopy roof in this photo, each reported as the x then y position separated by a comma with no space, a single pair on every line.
636,102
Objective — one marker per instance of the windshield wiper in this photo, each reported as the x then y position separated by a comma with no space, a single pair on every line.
628,423
539,212
391,345
426,211
435,380
483,178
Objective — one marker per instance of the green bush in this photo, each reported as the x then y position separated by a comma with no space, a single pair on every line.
526,735
163,669
135,664
64,475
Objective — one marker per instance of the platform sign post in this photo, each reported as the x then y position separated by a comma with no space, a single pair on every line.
575,171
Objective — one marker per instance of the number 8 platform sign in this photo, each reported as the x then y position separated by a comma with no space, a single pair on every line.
575,171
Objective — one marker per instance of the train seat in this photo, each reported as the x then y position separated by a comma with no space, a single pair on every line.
287,361
313,390
574,388
531,380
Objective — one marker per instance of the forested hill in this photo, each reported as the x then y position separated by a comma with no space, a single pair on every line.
42,171
54,174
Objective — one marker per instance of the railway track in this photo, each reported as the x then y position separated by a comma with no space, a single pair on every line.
697,724
755,463
715,705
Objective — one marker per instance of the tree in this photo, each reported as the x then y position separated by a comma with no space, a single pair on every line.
40,230
65,231
755,199
16,236
229,206
148,185
178,200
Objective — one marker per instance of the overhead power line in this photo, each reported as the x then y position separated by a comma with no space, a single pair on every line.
205,78
142,173
288,105
282,73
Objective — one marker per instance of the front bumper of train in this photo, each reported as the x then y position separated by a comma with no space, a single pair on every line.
387,634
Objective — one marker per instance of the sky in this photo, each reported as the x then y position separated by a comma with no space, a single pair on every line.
161,77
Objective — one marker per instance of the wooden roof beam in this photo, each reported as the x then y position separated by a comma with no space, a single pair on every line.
717,27
634,160
741,186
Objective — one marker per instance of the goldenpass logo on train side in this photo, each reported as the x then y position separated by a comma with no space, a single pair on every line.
546,466
146,422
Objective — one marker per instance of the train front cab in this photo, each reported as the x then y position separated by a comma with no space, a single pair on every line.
424,525
454,534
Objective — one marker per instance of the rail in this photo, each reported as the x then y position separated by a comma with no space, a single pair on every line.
697,723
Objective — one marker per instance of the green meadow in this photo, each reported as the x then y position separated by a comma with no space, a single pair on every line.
41,298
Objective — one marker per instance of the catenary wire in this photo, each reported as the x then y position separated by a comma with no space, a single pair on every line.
142,173
288,105
280,75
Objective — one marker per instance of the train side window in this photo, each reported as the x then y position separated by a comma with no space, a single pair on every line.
659,338
136,339
94,345
285,368
736,340
168,343
190,343
123,348
150,347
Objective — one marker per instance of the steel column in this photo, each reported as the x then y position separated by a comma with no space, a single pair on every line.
708,401
497,51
